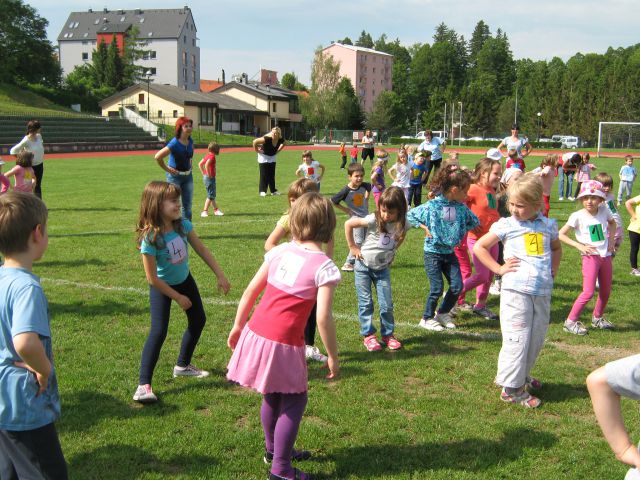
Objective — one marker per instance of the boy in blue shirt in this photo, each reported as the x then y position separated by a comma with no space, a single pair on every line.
418,169
29,445
628,174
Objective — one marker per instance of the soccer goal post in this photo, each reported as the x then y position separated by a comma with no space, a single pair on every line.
618,135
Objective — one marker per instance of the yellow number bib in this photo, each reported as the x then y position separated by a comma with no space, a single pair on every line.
533,244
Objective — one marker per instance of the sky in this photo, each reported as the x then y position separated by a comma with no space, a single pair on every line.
244,36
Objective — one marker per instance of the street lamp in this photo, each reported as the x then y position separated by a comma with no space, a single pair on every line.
539,123
460,126
148,74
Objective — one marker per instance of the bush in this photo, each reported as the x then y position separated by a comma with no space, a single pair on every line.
475,143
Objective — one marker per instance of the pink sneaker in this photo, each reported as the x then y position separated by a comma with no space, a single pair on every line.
391,342
372,344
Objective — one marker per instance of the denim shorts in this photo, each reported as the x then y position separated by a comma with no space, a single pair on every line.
210,185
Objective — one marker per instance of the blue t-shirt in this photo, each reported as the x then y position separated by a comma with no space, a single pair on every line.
171,253
24,309
181,155
447,221
415,178
434,147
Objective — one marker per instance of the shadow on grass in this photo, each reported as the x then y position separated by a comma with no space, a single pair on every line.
562,392
102,309
473,454
90,209
89,234
117,461
73,263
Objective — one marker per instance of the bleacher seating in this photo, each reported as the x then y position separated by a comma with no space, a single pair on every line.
73,133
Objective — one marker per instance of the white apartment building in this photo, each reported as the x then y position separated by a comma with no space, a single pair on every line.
172,47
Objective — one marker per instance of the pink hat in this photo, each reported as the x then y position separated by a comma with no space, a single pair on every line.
592,187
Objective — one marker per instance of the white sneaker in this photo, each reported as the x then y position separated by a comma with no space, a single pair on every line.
218,213
577,328
430,324
445,320
263,194
560,199
313,353
275,193
189,371
144,394
571,199
204,214
635,272
494,289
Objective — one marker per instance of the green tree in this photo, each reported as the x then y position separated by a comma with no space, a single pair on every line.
346,41
479,36
27,56
365,40
321,108
387,113
350,114
114,68
289,80
99,64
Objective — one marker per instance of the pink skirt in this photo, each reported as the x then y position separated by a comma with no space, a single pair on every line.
267,366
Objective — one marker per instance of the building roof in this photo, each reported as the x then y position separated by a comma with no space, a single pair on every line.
264,91
186,97
209,85
358,49
152,23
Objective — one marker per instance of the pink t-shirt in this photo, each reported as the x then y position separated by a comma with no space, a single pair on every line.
23,178
211,171
295,274
584,171
547,175
5,184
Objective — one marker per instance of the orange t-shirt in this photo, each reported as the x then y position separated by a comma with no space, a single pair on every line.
343,150
482,201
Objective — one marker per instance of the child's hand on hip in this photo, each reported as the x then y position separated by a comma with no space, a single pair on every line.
510,265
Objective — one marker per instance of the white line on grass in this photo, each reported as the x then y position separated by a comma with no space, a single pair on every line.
219,301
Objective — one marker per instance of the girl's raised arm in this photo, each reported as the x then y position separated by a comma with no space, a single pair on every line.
248,300
327,327
205,254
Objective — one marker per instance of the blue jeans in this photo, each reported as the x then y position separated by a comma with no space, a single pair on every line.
185,182
381,280
358,238
560,182
436,265
568,178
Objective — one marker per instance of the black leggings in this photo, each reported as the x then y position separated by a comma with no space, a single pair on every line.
38,170
268,177
634,240
160,310
578,189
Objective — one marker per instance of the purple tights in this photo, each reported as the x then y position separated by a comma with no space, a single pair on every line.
281,414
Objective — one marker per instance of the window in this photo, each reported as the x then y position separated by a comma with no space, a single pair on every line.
184,39
141,99
96,21
175,114
374,69
193,60
159,113
85,42
206,115
86,34
122,19
193,42
152,54
152,70
274,107
85,56
193,77
184,58
184,75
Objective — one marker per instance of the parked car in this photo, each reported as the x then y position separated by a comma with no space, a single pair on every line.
476,139
570,141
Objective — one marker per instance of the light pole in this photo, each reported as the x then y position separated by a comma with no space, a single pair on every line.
148,75
539,123
460,126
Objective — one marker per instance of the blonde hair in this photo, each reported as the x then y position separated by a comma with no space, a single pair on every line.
453,156
551,159
150,221
312,218
20,214
300,187
605,179
528,188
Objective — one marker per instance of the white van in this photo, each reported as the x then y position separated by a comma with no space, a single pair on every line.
570,142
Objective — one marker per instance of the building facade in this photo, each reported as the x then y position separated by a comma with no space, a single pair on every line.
172,51
369,71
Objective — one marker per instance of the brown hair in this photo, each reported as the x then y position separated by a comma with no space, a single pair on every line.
605,179
150,221
484,167
312,218
450,176
25,159
550,159
307,153
214,148
33,126
180,122
20,213
300,187
392,198
354,167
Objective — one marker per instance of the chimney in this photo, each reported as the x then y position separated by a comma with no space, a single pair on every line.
105,10
223,81
91,10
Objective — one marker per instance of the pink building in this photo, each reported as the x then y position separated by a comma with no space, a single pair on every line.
368,70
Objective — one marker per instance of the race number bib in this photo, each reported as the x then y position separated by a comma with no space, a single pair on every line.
358,199
533,243
416,173
289,268
596,234
491,201
386,241
449,214
612,207
177,251
311,171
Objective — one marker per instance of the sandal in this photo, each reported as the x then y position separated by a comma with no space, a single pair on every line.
297,475
533,383
296,456
524,398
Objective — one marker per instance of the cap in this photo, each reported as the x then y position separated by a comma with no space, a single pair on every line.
494,154
592,187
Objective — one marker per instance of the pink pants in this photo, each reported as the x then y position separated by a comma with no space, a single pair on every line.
462,254
481,279
593,267
376,197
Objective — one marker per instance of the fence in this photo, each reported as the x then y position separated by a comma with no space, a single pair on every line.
333,136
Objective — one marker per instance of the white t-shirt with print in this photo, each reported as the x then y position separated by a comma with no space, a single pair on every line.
592,230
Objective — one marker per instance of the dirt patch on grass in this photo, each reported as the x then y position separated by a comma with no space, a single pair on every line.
594,355
242,422
313,419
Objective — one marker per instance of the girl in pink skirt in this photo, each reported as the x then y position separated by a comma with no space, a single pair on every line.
269,351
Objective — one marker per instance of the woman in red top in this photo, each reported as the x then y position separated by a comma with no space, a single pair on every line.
481,200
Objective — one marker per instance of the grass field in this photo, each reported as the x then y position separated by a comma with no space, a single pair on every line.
427,411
